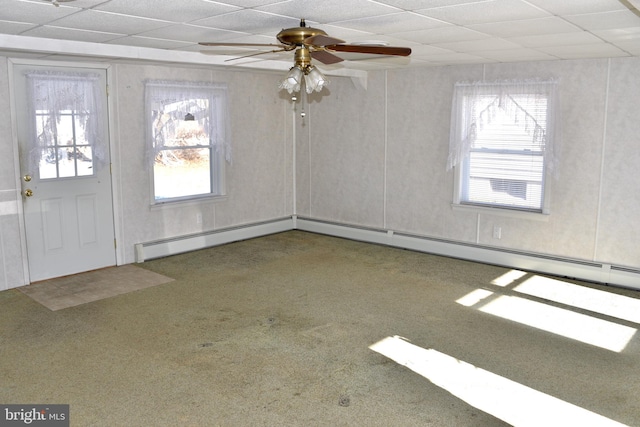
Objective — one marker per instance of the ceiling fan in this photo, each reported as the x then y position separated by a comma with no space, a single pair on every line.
312,43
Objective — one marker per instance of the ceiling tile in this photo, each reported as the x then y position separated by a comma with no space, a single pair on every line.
567,39
620,34
190,33
483,12
35,13
631,47
249,21
169,10
515,55
601,50
528,27
84,4
428,50
15,27
606,20
245,3
150,42
392,23
51,32
329,10
456,58
347,34
478,45
420,4
451,33
578,7
108,22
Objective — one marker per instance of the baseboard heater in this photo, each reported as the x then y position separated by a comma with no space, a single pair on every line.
558,266
193,242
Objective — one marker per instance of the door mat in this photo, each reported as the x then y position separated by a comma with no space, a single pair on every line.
77,289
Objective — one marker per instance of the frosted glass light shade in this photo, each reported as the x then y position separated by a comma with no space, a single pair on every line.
293,80
314,80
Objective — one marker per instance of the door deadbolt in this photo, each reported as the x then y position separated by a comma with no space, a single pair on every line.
28,192
27,178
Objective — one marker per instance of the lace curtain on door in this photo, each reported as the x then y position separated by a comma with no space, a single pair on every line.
52,94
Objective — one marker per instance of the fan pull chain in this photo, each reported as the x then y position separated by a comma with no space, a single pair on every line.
303,98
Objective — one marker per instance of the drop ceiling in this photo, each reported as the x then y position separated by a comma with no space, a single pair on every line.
439,32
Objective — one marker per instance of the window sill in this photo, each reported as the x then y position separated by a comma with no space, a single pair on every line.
510,213
186,202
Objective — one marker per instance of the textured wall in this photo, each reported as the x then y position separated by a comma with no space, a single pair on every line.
374,158
11,244
377,158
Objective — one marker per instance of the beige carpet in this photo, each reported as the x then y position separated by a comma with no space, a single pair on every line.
293,329
70,291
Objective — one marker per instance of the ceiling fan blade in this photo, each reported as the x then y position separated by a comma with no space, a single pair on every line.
242,44
255,54
326,57
376,50
321,40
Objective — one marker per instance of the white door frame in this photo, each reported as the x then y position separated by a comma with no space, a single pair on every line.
114,154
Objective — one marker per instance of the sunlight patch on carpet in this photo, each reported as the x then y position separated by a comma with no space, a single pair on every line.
501,397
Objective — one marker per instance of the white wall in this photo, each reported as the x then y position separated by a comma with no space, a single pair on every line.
11,245
377,158
373,158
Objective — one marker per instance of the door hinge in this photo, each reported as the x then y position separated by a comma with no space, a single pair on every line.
115,243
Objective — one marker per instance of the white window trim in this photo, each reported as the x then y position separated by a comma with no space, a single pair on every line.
220,149
190,201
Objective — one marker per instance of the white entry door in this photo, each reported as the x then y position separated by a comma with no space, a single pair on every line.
65,166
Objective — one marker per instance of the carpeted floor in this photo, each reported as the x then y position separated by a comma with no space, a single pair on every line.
299,329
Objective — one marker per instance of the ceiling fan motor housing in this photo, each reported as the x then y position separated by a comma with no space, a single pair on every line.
296,36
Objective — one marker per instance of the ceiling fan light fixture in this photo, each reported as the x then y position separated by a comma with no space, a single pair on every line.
312,43
314,80
293,80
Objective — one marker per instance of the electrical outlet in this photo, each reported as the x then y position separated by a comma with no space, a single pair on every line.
497,232
198,218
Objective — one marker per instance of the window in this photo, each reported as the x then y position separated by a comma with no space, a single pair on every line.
187,139
501,143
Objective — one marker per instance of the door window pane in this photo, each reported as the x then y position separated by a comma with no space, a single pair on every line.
67,153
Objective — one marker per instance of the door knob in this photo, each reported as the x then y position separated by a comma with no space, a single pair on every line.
28,192
27,178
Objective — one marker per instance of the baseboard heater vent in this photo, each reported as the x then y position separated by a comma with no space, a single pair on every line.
558,266
192,242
